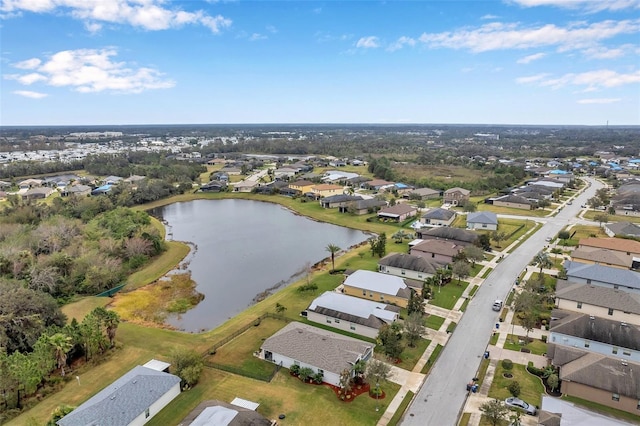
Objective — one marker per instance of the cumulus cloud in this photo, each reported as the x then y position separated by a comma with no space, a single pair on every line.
150,15
91,70
502,36
370,42
602,52
401,42
587,5
598,101
30,94
29,64
489,17
257,36
531,58
589,81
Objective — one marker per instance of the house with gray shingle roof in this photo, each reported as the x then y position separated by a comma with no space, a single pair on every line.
352,314
219,413
438,217
399,212
598,301
321,350
609,380
408,266
603,276
482,220
133,399
627,229
522,201
361,207
601,257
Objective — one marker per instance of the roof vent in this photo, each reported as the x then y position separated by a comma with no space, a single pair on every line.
591,317
623,362
624,324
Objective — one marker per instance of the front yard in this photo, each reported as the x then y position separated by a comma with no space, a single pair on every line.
535,346
531,386
447,295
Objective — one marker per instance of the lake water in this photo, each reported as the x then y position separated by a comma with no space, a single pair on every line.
244,248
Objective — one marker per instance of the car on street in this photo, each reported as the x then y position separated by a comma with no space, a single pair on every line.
548,239
497,305
524,406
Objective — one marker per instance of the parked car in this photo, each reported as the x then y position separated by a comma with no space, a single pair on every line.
524,406
497,305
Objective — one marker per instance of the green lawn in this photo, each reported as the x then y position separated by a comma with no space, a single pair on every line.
401,409
607,411
531,387
80,308
434,322
167,261
537,347
447,295
410,356
432,359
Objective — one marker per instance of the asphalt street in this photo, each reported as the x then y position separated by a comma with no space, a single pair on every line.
442,396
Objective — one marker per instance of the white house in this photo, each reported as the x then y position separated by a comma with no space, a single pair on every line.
320,350
482,220
132,400
352,314
408,266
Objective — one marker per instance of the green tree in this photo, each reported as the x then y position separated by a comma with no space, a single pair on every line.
553,381
514,388
461,269
498,237
390,340
416,303
280,308
515,418
187,364
345,382
333,249
474,254
601,218
543,261
564,236
528,319
399,236
61,345
495,411
377,372
413,328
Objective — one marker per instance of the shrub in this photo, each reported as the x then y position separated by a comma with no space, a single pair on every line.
534,370
305,373
514,388
507,364
295,369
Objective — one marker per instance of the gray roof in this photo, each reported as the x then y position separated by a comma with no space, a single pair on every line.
599,330
398,210
424,192
410,263
448,233
353,309
439,214
340,198
219,413
77,188
483,217
599,296
601,256
624,228
370,203
515,199
380,283
603,274
320,348
123,400
601,372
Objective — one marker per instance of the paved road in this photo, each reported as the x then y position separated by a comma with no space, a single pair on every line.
442,396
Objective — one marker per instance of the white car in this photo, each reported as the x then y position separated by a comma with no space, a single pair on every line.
518,403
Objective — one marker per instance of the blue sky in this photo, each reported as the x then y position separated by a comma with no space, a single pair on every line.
67,62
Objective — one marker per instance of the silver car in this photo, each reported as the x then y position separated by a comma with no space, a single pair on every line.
524,406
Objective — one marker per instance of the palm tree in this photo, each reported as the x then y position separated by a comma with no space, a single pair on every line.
333,249
543,261
61,344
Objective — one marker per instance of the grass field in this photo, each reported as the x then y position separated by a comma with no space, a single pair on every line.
167,261
434,322
537,347
531,386
447,295
582,231
410,356
80,308
432,359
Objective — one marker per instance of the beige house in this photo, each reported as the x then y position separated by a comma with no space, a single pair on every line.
303,186
377,287
623,248
399,212
326,190
455,196
514,202
441,251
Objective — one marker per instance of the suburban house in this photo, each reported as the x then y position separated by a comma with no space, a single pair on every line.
456,196
438,217
408,266
338,176
360,207
231,171
76,191
600,257
326,190
457,235
425,193
133,399
111,180
599,301
375,184
245,186
38,193
626,229
604,276
606,380
214,412
323,351
214,186
303,186
595,334
399,212
515,201
133,179
285,173
482,220
627,249
377,287
30,183
340,201
359,316
440,251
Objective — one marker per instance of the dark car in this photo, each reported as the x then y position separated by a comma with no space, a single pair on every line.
524,406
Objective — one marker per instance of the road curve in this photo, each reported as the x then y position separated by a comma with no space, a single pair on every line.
442,396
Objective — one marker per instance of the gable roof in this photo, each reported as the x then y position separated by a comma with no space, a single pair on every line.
370,203
516,199
599,330
219,413
410,262
423,192
603,274
123,400
624,228
601,372
599,296
354,309
443,247
449,233
619,244
398,210
439,214
601,256
457,189
317,347
483,217
380,283
340,198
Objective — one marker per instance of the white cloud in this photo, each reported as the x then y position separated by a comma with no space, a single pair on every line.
92,27
489,17
601,52
90,70
531,58
589,81
150,15
401,42
370,42
598,101
30,94
257,36
502,36
587,5
272,29
29,64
